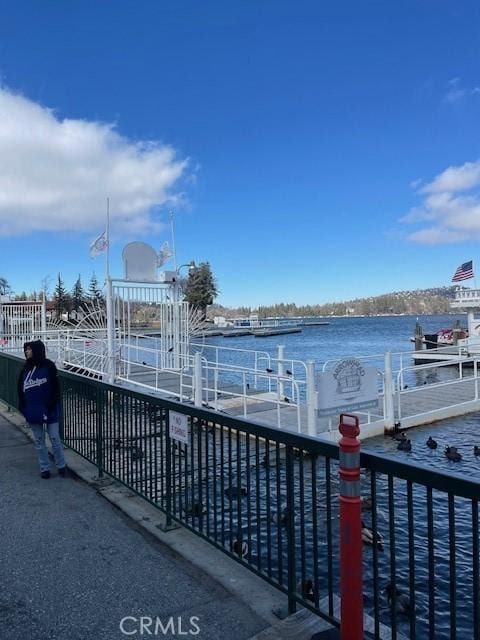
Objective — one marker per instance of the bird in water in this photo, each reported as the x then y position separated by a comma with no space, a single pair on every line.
366,504
196,509
235,492
280,518
402,600
405,445
239,546
476,450
400,437
371,537
268,370
453,454
307,589
431,443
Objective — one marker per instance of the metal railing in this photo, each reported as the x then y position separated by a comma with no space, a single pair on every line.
269,500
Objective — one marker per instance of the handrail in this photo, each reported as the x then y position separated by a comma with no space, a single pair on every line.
233,479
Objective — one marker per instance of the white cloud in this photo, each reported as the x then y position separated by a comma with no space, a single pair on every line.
457,91
454,91
451,214
55,174
455,179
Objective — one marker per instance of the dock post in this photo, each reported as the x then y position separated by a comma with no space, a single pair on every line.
388,390
197,380
418,336
351,568
311,399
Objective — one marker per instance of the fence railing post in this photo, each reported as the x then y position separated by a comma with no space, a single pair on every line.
99,432
388,390
281,369
291,578
169,525
351,570
311,399
197,379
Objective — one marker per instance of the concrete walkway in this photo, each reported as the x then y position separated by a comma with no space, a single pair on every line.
73,566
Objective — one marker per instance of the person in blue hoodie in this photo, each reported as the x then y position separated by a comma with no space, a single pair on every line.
39,401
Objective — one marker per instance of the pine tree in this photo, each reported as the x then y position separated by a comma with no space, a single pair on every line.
78,295
4,286
201,287
94,292
61,298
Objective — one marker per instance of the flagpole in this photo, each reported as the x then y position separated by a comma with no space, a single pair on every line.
173,241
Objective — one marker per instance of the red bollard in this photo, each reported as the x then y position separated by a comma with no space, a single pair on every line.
351,569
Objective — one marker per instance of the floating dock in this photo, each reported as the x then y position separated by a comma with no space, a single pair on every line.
274,331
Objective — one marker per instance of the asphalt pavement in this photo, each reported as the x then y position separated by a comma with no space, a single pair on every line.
73,566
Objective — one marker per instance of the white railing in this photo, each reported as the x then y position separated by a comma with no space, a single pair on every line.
219,381
467,294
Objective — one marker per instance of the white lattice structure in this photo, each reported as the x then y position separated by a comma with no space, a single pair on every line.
21,319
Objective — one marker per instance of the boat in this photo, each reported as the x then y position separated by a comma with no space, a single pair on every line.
443,337
253,325
448,345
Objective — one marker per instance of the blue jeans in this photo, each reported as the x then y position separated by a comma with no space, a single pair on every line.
41,447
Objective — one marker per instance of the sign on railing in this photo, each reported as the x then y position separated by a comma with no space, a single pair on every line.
179,426
348,387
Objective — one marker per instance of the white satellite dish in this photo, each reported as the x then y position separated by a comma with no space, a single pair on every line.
140,262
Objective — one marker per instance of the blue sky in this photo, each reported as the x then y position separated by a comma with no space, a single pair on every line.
311,151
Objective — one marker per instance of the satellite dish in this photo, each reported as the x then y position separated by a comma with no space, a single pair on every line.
139,262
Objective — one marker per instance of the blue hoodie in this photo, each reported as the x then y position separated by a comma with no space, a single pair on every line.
38,387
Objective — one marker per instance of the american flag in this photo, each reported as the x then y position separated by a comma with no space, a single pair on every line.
464,272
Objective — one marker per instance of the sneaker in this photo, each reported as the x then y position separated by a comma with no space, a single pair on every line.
62,472
45,475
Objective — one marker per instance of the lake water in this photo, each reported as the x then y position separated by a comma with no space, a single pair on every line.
345,337
368,336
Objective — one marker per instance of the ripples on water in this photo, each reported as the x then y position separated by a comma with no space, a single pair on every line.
463,433
366,336
345,337
267,542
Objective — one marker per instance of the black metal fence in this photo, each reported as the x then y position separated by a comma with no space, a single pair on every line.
269,499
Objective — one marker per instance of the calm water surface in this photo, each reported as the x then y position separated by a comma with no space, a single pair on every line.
375,335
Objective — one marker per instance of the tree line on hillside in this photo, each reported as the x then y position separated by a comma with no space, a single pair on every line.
422,301
199,289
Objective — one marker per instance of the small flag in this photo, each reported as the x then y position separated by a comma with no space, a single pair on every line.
164,254
99,245
464,272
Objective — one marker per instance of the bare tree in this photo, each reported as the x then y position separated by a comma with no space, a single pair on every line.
45,286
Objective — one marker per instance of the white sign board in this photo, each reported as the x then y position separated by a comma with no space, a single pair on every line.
348,387
178,426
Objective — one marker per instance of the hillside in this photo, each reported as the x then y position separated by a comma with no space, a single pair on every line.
419,301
